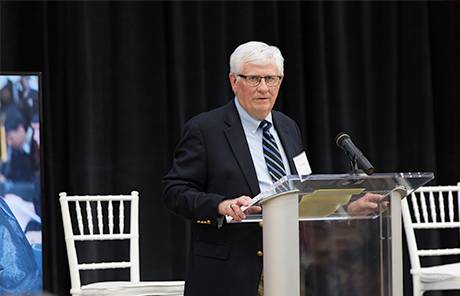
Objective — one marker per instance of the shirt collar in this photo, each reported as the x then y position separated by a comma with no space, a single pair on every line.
249,121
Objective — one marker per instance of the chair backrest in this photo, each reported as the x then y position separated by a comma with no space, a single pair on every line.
430,207
99,218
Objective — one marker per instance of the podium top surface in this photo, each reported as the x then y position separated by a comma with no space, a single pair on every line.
376,183
340,189
372,183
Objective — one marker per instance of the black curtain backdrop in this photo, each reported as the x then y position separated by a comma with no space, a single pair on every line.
121,78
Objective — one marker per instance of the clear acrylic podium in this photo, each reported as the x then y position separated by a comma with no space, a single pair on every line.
314,246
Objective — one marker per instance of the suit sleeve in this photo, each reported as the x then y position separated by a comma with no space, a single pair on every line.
184,186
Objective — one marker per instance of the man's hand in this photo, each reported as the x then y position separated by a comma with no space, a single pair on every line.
232,207
367,204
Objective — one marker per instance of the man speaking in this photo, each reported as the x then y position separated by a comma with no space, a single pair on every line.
225,157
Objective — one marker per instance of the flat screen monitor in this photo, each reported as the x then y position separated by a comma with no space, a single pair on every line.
20,185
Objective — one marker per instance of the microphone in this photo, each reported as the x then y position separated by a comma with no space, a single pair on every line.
343,140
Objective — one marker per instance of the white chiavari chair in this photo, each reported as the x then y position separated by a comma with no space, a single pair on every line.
432,208
108,218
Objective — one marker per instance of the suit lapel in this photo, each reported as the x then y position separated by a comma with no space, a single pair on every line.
237,141
286,138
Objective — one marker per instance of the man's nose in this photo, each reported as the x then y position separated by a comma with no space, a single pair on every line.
262,87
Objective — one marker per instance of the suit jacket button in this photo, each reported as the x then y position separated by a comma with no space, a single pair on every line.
208,222
261,224
259,253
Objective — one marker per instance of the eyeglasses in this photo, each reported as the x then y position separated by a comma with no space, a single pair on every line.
254,80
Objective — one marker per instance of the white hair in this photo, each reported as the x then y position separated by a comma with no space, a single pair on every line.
256,53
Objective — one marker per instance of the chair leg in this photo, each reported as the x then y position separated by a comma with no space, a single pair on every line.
417,290
416,286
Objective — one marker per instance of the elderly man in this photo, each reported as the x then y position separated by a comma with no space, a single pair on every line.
219,165
221,162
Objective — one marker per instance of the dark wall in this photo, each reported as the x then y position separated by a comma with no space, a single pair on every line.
121,78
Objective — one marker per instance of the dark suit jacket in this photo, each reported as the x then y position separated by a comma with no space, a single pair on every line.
211,163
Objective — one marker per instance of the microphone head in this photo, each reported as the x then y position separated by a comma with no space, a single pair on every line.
340,138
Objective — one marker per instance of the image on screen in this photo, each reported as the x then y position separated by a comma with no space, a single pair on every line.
20,199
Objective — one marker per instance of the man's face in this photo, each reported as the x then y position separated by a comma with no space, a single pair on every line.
15,138
256,100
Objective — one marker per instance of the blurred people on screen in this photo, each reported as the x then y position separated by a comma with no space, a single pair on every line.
22,173
24,159
20,154
27,98
7,98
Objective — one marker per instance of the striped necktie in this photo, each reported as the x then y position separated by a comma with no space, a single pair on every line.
271,153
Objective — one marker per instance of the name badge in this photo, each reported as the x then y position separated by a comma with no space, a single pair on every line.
302,165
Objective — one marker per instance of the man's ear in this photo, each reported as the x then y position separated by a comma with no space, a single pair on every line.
233,82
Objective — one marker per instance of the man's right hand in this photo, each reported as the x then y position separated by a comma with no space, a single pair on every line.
232,207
